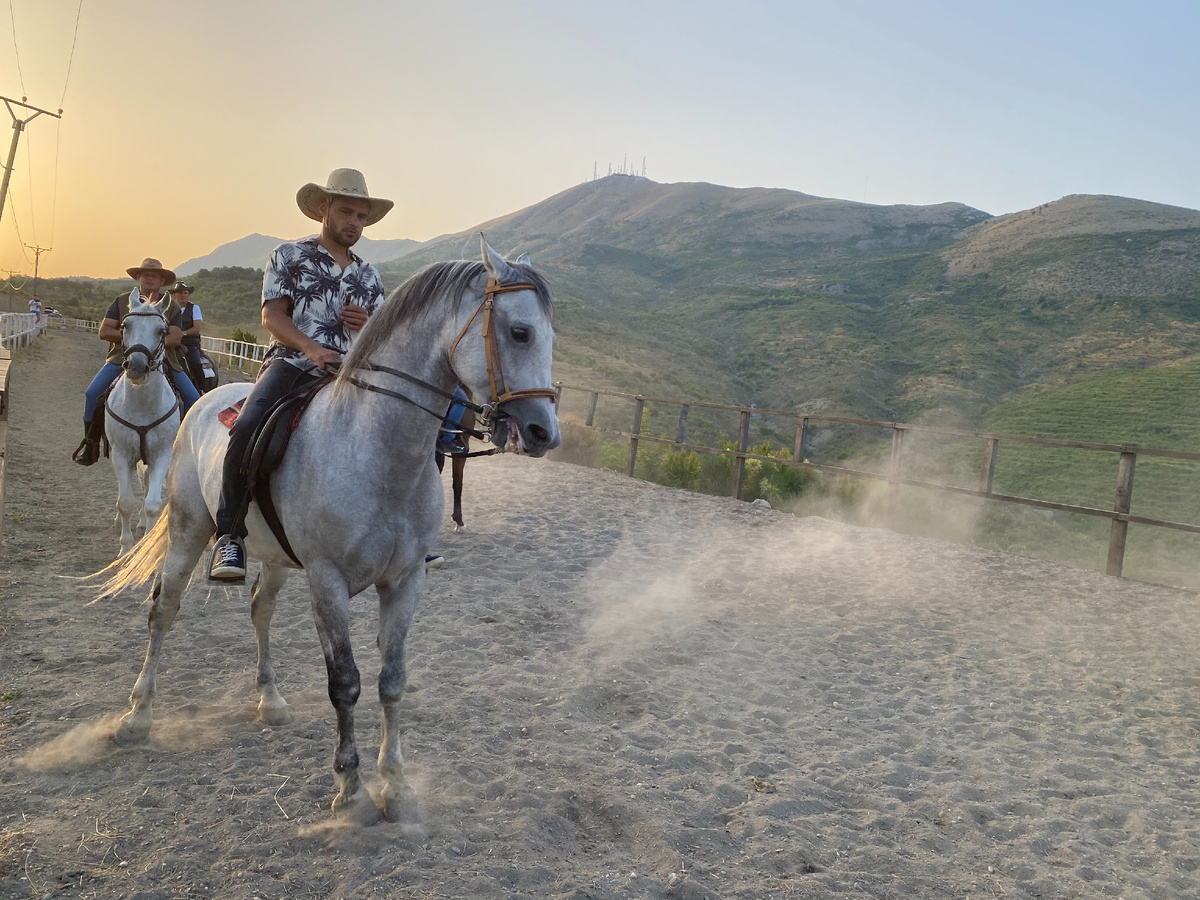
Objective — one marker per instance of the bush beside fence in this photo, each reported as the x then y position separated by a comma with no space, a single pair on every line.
743,454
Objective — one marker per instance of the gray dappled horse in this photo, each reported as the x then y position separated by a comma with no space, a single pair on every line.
141,417
358,492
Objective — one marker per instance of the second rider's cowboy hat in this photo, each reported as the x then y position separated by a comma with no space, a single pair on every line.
180,287
341,183
150,264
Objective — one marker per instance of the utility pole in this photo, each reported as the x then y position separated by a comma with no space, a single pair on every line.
37,257
18,126
8,288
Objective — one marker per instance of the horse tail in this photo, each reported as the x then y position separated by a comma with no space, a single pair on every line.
140,564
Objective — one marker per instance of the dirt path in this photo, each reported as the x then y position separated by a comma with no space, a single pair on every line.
617,690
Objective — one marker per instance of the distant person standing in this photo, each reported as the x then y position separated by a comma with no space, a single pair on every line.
35,307
150,277
191,319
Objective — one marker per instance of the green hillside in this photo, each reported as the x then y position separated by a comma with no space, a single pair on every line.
1156,407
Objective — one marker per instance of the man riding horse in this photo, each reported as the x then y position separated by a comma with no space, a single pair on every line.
150,277
192,319
316,293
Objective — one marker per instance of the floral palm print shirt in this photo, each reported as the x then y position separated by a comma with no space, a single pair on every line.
305,273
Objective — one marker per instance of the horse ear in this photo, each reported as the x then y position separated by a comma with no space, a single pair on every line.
523,260
496,264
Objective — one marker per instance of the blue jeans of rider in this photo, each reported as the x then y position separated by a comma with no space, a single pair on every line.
110,372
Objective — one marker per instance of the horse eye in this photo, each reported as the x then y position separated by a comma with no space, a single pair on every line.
520,334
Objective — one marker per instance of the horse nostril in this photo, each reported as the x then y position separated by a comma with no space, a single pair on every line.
539,433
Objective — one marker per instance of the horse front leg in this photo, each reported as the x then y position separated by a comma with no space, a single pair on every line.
331,611
272,708
456,473
397,604
126,500
184,548
152,485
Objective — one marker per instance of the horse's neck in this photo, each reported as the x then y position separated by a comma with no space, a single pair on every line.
403,429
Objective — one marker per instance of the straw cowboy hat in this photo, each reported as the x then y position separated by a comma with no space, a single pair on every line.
179,286
150,264
341,183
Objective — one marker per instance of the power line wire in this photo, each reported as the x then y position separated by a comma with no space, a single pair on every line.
17,226
13,18
71,58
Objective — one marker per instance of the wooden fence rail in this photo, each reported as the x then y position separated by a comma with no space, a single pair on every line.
240,355
1119,515
19,329
5,361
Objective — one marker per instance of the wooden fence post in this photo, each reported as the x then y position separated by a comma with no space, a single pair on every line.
739,463
1120,528
801,440
987,471
638,405
894,474
591,416
681,431
5,358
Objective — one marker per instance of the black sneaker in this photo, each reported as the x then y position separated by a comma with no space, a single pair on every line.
434,561
228,561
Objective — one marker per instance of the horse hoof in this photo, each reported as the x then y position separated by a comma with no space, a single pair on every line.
128,735
400,804
359,809
274,715
458,526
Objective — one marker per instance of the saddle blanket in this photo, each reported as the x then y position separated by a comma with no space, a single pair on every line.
230,414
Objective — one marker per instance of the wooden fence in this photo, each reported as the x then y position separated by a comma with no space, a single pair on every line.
1119,515
19,329
5,361
240,355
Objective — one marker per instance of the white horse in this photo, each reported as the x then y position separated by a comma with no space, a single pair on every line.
141,417
358,492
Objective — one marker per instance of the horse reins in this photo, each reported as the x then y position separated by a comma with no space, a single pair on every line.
487,412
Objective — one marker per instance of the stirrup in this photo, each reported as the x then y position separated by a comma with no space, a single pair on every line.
87,453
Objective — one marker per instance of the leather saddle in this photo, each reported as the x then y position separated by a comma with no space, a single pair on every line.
266,450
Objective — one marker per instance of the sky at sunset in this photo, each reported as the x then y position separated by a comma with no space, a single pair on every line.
188,124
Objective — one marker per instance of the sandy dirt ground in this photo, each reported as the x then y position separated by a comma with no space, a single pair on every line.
616,690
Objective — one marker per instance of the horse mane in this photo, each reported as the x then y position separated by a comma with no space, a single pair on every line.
413,300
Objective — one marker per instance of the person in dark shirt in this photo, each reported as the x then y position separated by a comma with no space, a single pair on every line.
150,277
192,317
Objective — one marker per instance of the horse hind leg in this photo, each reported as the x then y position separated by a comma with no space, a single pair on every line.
457,466
397,604
185,544
272,708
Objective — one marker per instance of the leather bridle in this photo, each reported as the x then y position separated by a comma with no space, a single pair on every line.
489,413
154,357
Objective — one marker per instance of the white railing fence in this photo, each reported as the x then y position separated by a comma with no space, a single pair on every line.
240,355
19,329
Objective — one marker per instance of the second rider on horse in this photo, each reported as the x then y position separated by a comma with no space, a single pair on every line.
150,277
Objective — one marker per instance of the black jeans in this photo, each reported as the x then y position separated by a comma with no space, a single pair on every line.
275,380
195,367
